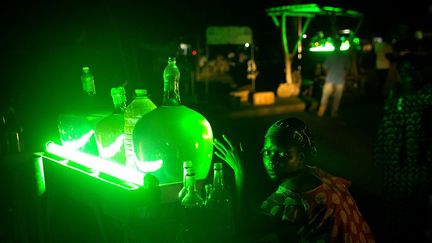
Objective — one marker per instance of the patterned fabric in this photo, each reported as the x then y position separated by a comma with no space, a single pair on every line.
331,212
404,153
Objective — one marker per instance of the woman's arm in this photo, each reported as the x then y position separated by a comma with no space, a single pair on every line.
228,153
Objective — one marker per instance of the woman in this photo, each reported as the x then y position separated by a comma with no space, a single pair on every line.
403,148
309,204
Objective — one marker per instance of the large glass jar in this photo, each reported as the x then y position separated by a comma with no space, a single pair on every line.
173,133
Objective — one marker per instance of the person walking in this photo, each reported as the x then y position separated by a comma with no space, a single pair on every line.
335,66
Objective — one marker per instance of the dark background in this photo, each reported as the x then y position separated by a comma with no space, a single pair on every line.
44,45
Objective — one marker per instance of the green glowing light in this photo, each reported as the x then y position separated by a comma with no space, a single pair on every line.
40,176
112,149
149,166
79,143
311,10
97,164
206,133
345,46
356,41
328,47
399,104
323,48
174,134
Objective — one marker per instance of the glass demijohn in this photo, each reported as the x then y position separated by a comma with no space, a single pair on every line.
174,133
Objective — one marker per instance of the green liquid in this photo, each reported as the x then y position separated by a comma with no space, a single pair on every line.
174,134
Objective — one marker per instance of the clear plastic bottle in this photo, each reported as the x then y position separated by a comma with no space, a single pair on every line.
139,106
174,133
110,130
88,83
182,193
77,124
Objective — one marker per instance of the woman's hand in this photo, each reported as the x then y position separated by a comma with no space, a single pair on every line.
228,153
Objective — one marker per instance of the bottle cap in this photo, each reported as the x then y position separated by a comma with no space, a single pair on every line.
86,69
187,164
141,92
118,95
190,171
218,166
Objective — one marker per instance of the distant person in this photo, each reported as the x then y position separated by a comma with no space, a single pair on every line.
383,50
309,205
403,149
239,72
335,67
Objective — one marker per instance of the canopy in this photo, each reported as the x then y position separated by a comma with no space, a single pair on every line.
229,35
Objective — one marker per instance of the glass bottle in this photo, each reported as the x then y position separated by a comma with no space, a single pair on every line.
192,205
208,188
219,206
183,191
11,132
192,199
139,106
174,133
110,130
88,83
77,125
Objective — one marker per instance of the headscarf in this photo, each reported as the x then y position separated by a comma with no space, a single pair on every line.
295,131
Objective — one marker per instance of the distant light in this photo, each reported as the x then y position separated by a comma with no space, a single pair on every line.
419,35
367,47
345,31
377,39
344,46
184,48
326,48
304,36
356,41
247,44
194,52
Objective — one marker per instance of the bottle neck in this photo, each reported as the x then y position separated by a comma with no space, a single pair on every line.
218,179
119,108
190,184
185,170
171,93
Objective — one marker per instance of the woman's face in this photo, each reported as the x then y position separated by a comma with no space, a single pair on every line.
280,159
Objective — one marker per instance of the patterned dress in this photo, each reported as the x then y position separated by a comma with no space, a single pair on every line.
331,212
403,151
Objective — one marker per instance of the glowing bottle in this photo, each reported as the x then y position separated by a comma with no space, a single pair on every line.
77,126
110,130
174,133
88,83
139,106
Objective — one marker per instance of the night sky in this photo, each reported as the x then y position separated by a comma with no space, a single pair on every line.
46,43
